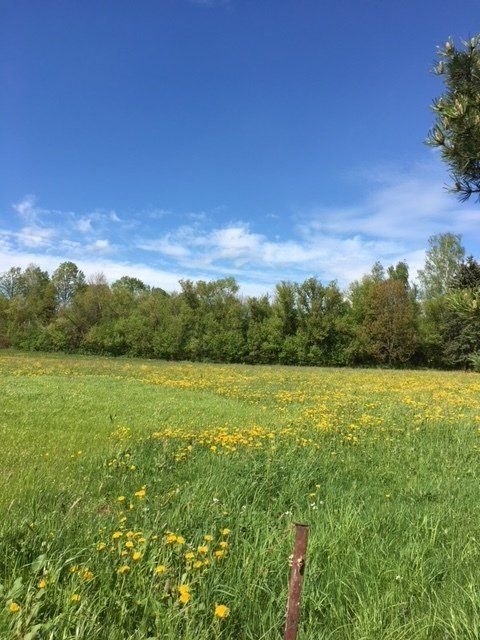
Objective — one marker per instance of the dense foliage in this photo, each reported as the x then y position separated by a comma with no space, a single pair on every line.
457,115
380,319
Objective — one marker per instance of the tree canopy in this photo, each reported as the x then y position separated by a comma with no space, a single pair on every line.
456,130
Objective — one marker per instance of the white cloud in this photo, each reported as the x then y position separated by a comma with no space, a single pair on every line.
392,222
407,207
100,246
26,208
84,225
34,236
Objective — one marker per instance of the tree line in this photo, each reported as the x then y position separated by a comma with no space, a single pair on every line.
383,318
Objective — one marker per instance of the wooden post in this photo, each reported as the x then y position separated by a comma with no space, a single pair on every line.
296,580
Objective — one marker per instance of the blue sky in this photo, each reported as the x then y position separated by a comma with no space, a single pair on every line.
269,140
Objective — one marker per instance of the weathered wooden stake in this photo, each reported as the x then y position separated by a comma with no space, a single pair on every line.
296,580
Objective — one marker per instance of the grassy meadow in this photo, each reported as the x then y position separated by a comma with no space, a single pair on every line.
152,500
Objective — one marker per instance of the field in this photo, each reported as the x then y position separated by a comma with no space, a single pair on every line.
150,500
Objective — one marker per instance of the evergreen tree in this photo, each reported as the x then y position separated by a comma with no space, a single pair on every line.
457,115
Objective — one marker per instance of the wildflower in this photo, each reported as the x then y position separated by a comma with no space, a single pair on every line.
129,544
203,549
160,569
221,611
220,553
75,598
117,535
42,584
170,538
225,532
73,568
101,546
180,540
189,555
13,607
121,498
185,595
87,574
136,556
123,569
141,493
208,538
198,564
223,544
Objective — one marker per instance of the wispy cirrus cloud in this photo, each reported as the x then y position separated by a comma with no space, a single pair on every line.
392,221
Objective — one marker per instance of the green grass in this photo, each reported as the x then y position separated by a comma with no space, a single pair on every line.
382,465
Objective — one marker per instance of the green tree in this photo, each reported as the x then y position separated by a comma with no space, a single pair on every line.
321,319
133,285
457,115
443,259
389,325
11,283
67,280
31,309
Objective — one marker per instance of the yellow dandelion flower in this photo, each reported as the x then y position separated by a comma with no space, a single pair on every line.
75,598
141,493
220,553
208,538
121,498
129,544
198,564
203,550
123,569
136,556
225,532
13,607
101,546
185,595
189,555
223,544
117,535
160,569
221,611
170,538
87,574
180,540
42,584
